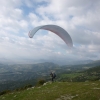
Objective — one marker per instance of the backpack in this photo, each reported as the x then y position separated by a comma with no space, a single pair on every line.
54,75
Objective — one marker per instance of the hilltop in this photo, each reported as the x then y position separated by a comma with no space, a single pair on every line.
58,91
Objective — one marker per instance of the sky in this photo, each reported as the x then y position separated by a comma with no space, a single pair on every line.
80,18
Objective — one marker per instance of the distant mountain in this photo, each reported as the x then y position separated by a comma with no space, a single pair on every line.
56,61
82,62
47,66
93,70
96,62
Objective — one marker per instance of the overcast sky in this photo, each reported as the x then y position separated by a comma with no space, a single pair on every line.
80,18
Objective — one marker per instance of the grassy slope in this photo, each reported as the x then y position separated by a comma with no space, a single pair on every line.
58,91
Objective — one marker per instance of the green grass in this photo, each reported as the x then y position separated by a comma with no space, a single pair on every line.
58,91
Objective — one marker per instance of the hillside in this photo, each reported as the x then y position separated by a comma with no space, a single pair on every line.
58,91
94,69
91,74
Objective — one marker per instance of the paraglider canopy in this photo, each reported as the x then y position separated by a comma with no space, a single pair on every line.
55,29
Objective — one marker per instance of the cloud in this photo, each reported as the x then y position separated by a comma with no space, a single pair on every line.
80,18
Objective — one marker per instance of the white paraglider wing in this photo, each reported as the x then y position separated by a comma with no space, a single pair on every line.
55,29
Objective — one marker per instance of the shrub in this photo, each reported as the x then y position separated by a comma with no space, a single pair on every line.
41,82
27,86
5,92
24,87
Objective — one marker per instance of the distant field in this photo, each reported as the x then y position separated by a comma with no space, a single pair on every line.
72,75
58,91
